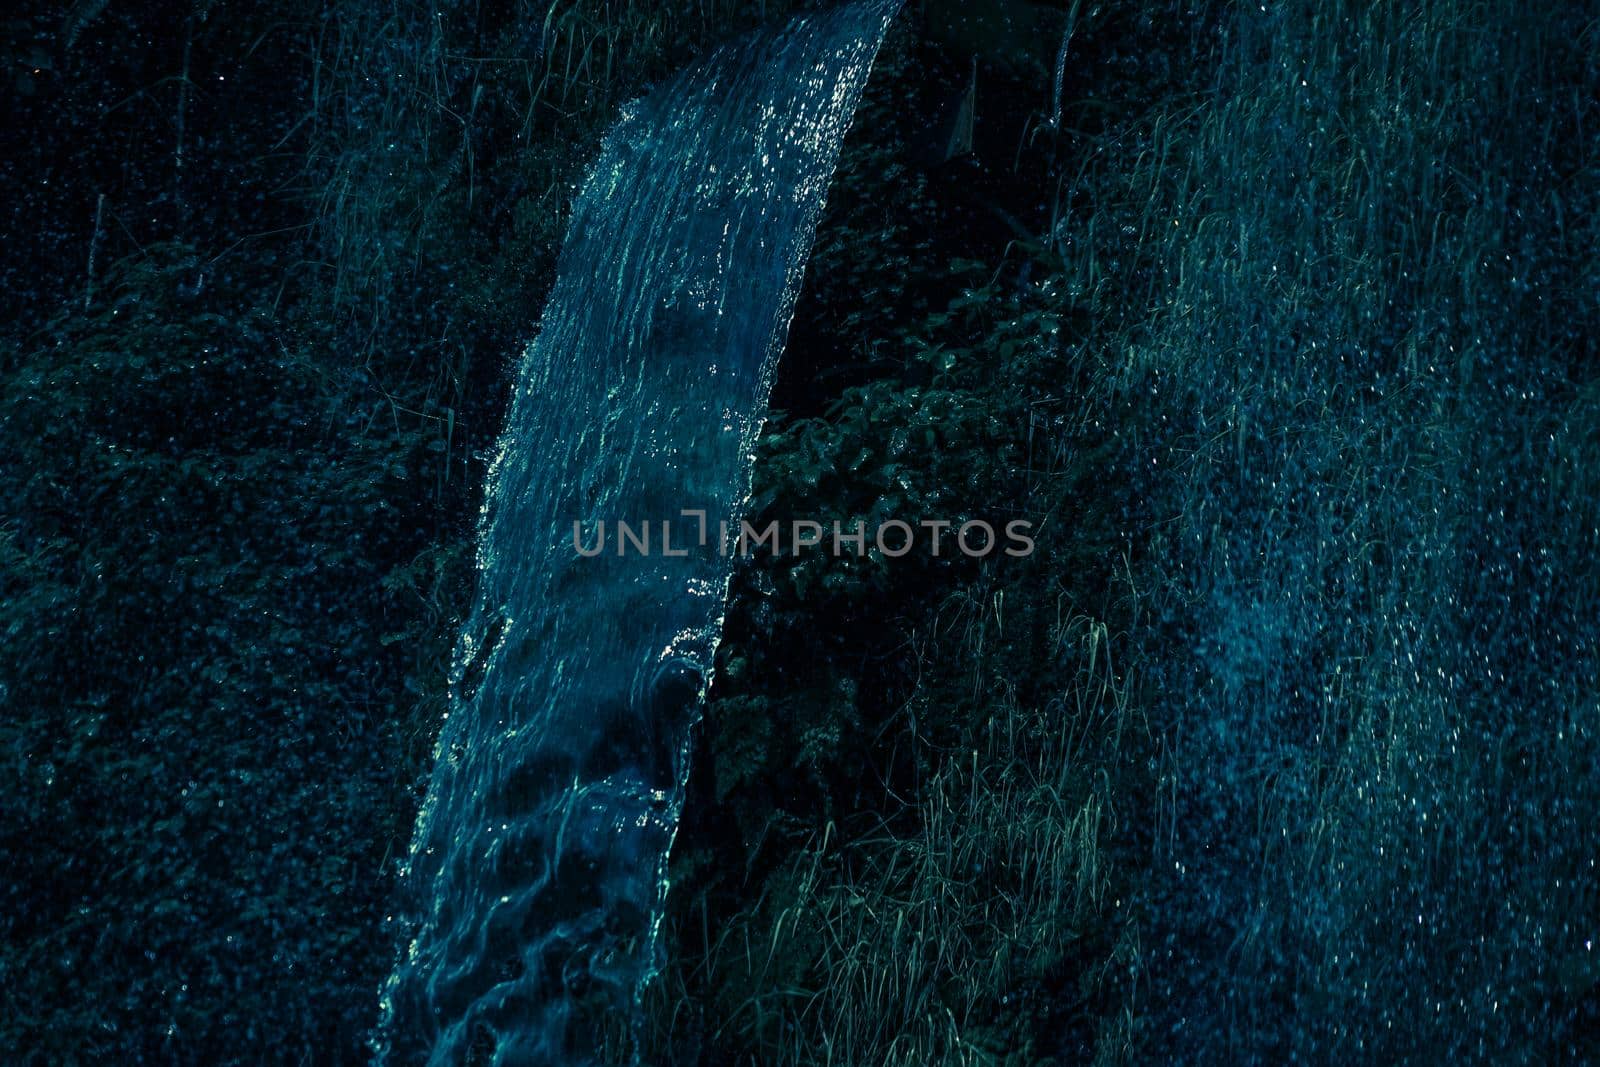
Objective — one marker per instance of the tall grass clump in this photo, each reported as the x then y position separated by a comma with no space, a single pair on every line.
952,928
1372,330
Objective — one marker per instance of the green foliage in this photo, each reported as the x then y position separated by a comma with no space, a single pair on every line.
954,449
199,702
913,761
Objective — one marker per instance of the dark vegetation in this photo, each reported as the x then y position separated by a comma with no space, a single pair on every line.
1279,325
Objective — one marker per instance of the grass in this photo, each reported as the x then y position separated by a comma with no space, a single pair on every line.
1366,326
1338,312
918,938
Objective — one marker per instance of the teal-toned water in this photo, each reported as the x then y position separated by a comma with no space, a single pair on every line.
537,869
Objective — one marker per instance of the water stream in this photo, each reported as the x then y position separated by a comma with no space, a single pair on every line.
537,871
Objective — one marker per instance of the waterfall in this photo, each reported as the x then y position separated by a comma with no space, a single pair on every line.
537,869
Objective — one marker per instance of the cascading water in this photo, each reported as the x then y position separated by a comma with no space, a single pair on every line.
539,856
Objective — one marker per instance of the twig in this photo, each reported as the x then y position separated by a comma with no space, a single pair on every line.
94,245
